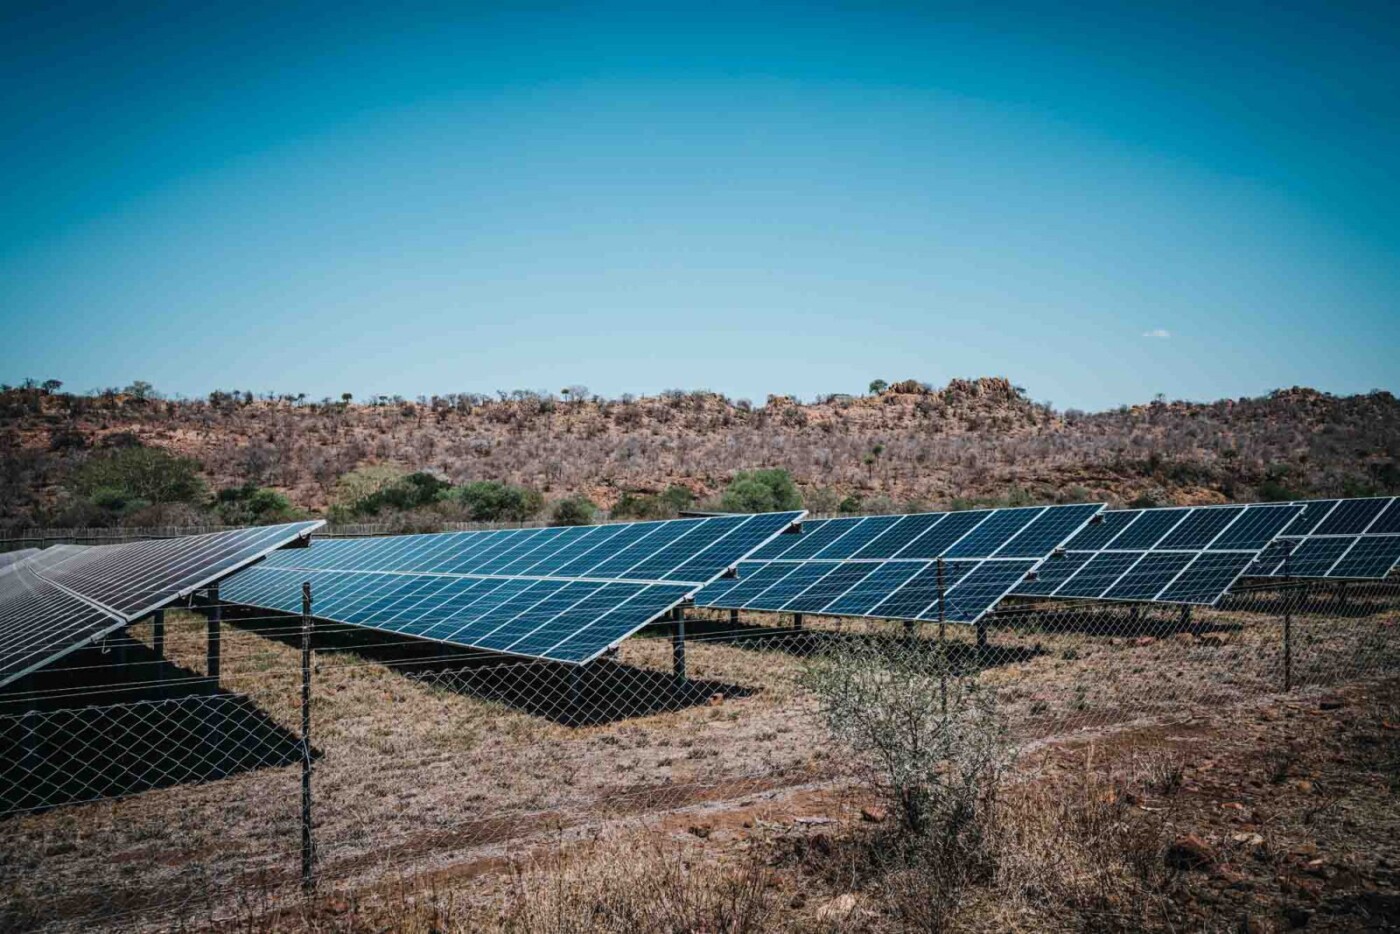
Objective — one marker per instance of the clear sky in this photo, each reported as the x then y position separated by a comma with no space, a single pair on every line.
1098,201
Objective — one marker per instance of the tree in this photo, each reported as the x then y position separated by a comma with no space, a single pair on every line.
141,391
575,510
251,504
51,386
769,490
128,478
493,501
878,386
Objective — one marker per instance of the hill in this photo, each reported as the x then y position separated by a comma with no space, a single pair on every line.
910,445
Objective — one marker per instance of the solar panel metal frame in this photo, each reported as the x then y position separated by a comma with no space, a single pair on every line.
1152,550
1275,561
43,574
917,566
683,590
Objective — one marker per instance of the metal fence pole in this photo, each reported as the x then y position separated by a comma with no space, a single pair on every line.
216,615
678,644
308,852
158,633
942,642
1287,624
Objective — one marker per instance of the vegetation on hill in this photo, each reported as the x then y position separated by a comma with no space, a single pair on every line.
130,456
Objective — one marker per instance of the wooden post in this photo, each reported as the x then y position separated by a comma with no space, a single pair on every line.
678,644
308,846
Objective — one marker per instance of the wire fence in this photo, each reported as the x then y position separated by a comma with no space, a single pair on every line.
140,790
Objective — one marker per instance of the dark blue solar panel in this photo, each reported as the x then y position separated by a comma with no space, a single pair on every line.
900,534
619,622
937,539
1389,521
861,599
1372,556
867,531
1256,528
1351,517
587,611
1207,577
815,537
1149,576
787,540
992,534
1047,531
980,590
488,630
1200,528
743,538
1098,574
1315,556
1101,531
1053,572
1152,526
918,597
687,546
840,579
755,580
804,576
1310,518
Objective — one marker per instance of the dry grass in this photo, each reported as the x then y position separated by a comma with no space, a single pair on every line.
420,775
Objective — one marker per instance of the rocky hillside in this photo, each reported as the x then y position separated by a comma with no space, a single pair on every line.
911,444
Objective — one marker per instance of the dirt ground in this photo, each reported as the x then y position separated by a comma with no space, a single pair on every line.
462,777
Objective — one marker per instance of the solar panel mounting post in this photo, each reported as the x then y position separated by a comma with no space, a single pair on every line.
733,617
158,633
797,621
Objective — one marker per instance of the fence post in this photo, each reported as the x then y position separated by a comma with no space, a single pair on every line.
216,615
678,644
1287,623
308,852
942,643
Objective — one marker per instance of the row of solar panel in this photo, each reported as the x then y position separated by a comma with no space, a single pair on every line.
1156,577
1186,529
1356,539
1029,532
689,551
55,601
961,591
569,621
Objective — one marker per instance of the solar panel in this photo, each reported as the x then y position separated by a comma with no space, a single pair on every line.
1185,555
1336,539
887,567
562,594
68,595
8,558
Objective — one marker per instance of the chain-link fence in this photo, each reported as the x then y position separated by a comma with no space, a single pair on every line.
141,791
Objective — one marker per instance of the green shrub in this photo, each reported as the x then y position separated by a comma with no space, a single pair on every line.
122,480
493,501
251,504
770,490
575,510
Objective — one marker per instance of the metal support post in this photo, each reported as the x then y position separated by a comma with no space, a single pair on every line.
216,616
308,847
797,621
1287,627
1185,622
733,617
158,633
942,642
678,644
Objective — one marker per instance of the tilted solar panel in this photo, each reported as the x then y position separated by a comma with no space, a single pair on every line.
68,595
887,567
562,594
1183,555
8,558
1336,539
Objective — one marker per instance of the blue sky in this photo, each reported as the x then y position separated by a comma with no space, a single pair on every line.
1100,202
